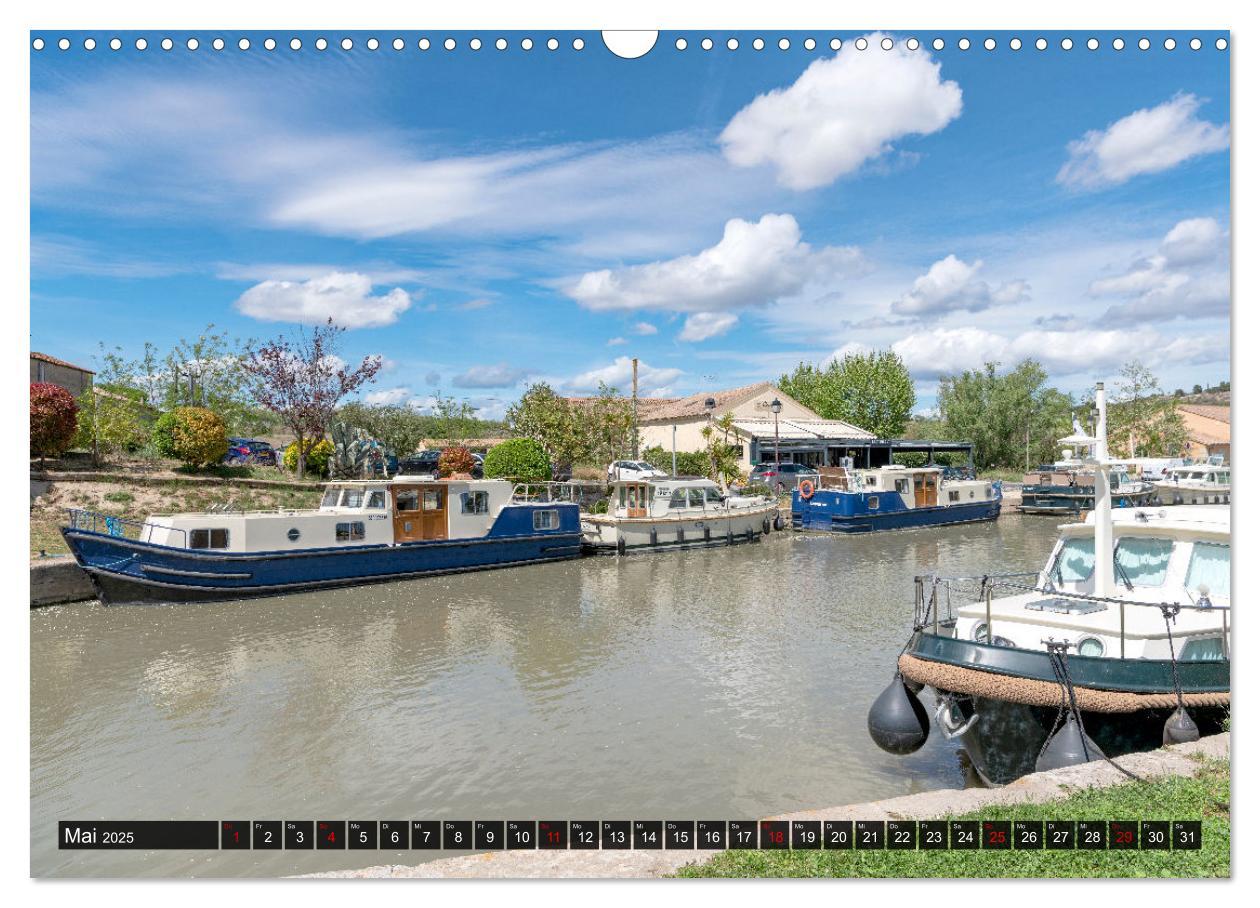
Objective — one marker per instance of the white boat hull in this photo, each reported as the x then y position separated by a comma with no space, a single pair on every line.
622,535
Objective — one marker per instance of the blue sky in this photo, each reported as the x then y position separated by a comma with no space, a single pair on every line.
484,219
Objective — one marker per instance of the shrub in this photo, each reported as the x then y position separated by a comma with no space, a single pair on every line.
192,435
111,422
690,463
318,456
455,460
522,459
53,424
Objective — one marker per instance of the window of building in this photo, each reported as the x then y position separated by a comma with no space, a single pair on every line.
216,538
475,503
376,500
350,532
352,498
546,520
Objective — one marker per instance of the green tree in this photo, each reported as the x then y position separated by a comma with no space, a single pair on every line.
872,391
547,418
723,457
1144,421
455,420
113,419
521,459
1013,420
195,436
399,429
608,424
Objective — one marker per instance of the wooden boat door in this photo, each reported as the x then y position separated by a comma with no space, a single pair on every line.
925,490
433,511
407,527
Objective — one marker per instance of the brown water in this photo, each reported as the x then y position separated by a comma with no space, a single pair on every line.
727,683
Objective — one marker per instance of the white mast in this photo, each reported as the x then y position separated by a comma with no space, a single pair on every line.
1104,564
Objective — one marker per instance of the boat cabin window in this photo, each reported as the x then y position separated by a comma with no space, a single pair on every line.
1202,649
376,500
475,503
432,500
678,499
713,495
546,520
350,532
872,503
695,498
352,498
407,500
1075,562
208,539
953,494
872,480
1209,566
331,495
903,486
1143,561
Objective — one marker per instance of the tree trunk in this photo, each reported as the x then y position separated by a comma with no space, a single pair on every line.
301,458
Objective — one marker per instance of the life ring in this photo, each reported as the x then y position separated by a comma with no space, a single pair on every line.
806,488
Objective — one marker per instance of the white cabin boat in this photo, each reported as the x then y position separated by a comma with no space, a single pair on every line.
1199,483
660,514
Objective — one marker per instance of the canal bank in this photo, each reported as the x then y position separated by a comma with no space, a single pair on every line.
1180,762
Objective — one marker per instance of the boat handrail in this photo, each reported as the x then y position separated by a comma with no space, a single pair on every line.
93,521
544,492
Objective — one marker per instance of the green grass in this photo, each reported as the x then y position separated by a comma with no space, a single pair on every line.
1206,797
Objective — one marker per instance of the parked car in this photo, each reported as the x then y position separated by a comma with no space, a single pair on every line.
633,469
782,477
423,464
250,450
479,471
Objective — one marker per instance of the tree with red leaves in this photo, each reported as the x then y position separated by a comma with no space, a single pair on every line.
302,381
53,422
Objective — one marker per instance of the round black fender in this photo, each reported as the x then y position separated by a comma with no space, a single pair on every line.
621,544
778,521
765,526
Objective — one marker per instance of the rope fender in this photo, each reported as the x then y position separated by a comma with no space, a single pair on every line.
1032,692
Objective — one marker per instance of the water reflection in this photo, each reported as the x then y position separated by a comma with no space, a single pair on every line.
731,682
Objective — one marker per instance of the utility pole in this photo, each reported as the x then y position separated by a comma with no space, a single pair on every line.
634,406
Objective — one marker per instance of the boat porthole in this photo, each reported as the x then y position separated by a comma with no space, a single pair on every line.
1090,646
295,534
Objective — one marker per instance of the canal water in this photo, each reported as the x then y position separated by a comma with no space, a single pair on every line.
719,684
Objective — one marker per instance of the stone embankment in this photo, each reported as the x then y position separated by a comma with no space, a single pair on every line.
1180,760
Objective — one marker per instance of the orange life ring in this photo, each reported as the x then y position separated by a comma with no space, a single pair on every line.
806,488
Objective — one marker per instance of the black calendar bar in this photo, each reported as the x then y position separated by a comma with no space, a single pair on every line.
495,835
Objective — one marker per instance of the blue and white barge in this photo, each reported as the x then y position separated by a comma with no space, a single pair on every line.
362,532
893,498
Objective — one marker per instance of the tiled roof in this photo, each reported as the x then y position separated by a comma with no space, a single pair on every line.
1205,423
59,362
686,407
1210,411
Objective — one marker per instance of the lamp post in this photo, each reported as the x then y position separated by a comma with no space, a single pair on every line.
776,407
709,406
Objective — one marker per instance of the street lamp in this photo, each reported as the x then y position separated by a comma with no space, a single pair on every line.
709,406
776,407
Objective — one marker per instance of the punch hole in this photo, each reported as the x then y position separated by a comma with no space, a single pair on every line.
553,44
449,43
1042,44
1144,43
527,44
38,44
192,43
1016,44
475,44
423,44
759,43
89,44
346,44
938,44
64,44
810,43
860,44
784,44
1221,44
269,44
578,44
707,44
1170,44
835,44
732,44
142,44
630,45
1066,44
399,44
1118,44
886,44
990,44
1195,44
321,44
373,44
218,44
912,43
1092,44
295,44
964,43
681,44
167,44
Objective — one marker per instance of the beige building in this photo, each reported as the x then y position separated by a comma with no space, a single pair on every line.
45,368
1207,427
804,436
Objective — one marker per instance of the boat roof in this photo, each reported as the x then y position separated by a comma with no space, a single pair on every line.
1196,518
403,478
669,482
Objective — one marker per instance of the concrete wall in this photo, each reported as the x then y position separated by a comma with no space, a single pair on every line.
75,381
58,580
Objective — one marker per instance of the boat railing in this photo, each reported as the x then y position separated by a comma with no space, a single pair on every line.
582,494
928,603
120,527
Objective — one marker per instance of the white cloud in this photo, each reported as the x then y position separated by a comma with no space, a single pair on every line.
1168,284
392,397
617,341
480,303
644,328
618,374
951,285
497,376
296,271
944,351
852,348
344,297
751,265
841,112
703,325
1149,140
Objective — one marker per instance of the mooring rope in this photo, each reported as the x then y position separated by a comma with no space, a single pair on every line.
1058,662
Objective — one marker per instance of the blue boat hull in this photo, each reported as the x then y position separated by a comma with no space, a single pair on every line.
126,570
838,515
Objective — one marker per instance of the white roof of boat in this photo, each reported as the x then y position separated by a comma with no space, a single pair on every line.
1203,518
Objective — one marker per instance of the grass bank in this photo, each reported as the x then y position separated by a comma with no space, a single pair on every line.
135,501
1204,796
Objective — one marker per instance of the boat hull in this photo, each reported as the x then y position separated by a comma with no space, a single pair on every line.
1075,500
127,570
614,537
830,520
1177,495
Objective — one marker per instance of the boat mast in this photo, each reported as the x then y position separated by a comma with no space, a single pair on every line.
1104,565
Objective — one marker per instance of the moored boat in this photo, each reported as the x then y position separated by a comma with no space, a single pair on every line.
1119,643
1199,483
362,532
892,498
663,514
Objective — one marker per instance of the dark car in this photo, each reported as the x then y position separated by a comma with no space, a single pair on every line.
782,477
423,464
250,450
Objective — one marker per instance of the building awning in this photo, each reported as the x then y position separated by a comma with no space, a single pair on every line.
804,429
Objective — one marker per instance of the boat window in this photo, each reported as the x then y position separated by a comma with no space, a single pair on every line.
208,539
632,496
713,495
407,500
621,496
475,503
678,499
350,532
695,498
1209,566
376,500
546,520
953,494
432,500
1202,650
903,486
1144,562
872,503
352,498
1075,562
331,494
